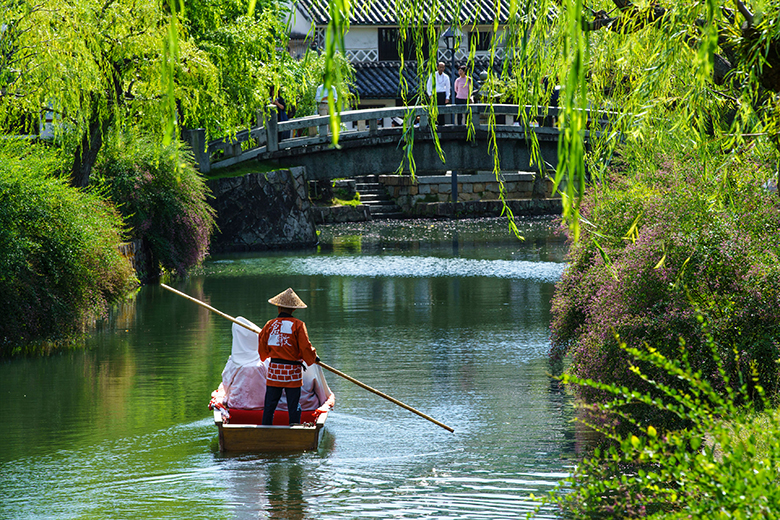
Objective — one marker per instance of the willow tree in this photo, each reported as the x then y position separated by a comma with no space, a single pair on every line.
248,45
706,71
95,63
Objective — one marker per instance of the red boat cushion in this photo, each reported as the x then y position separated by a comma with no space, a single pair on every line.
241,416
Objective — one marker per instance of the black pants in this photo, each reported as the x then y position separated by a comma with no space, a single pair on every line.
441,99
462,118
272,396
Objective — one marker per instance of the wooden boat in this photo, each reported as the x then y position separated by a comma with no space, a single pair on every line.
244,431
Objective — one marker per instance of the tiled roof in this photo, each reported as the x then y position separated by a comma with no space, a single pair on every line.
380,80
383,12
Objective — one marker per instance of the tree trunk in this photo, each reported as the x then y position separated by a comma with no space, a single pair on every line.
87,151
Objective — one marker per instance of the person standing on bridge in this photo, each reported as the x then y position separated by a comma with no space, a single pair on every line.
442,88
463,88
281,111
321,98
286,341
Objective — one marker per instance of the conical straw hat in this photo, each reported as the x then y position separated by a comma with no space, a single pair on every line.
287,299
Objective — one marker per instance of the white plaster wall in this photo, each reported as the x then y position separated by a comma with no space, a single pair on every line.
362,38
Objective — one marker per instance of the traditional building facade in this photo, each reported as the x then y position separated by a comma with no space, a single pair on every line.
372,43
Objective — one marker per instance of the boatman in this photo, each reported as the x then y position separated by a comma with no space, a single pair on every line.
285,340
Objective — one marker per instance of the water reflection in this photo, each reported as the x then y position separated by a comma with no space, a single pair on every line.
448,320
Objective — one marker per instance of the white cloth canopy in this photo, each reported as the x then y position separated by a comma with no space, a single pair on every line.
244,343
243,378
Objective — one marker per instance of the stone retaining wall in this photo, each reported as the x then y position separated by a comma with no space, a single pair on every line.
138,256
481,186
262,211
339,214
487,208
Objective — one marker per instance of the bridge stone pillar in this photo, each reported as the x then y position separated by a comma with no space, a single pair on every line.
196,138
272,130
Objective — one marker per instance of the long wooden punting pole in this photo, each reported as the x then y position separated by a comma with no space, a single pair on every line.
323,365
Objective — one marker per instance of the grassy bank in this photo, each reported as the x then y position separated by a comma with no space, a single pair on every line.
60,265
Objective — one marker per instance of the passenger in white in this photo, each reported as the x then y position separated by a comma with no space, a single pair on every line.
243,378
315,392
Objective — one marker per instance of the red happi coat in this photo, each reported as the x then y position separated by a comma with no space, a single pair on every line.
285,338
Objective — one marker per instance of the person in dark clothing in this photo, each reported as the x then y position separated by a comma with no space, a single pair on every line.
281,109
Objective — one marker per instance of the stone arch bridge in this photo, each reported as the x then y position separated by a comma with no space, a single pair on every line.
372,143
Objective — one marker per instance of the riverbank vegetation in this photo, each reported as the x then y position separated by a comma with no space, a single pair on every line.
668,313
161,197
60,268
668,307
117,81
670,236
723,464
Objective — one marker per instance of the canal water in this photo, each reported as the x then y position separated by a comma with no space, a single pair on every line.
450,317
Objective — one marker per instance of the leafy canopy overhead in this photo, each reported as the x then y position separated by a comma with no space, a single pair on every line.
152,65
703,71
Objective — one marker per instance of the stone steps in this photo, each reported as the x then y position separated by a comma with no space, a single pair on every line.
374,195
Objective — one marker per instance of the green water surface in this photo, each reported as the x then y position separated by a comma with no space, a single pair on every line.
450,317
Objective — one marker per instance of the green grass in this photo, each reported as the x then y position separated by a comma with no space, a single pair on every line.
341,202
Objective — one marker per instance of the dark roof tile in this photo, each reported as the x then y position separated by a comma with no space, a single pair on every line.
383,12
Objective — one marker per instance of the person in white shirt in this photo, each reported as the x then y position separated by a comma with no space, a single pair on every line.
321,98
443,87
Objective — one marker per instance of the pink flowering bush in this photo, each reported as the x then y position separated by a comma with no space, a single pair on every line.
163,199
658,247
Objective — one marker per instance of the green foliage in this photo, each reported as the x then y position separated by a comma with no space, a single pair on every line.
663,239
162,196
93,63
337,201
60,266
720,466
250,53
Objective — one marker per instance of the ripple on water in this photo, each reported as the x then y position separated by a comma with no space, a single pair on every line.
427,267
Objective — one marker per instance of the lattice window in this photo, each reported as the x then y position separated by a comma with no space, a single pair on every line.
363,55
460,55
319,38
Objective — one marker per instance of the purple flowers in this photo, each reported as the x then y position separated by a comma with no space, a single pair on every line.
163,199
666,244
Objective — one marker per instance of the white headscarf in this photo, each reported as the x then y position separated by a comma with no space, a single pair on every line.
243,378
244,344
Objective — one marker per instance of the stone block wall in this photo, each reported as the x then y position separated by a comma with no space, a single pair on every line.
262,211
340,214
480,186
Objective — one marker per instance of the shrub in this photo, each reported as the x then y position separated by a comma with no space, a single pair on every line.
162,197
659,244
724,465
60,266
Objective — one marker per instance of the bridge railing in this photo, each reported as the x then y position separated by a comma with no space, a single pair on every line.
263,139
